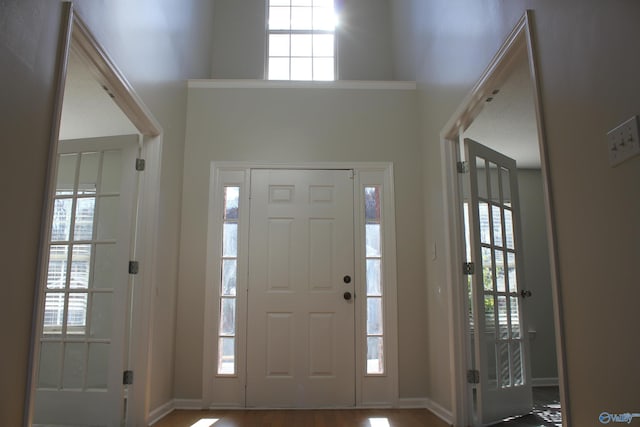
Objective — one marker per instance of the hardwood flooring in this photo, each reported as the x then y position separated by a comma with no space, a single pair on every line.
303,418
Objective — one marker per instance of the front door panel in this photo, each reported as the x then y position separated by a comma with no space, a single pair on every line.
300,348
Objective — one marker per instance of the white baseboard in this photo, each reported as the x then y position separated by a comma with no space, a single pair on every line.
412,402
440,412
163,410
545,382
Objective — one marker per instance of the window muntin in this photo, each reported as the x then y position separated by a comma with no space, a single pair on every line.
228,280
375,364
301,40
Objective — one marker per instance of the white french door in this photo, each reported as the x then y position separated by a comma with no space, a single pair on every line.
500,346
86,294
301,333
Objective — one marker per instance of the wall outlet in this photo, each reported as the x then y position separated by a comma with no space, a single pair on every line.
623,141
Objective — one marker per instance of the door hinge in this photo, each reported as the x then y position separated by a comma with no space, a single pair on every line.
127,377
140,164
462,167
134,267
468,268
473,376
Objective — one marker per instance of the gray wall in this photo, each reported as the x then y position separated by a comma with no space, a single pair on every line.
363,38
302,125
445,46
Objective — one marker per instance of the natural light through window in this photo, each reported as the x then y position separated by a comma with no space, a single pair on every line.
373,255
229,270
379,422
205,422
301,40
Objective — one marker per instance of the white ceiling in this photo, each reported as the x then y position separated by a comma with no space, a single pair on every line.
87,109
507,123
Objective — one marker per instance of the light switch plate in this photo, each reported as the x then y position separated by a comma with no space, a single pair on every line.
623,141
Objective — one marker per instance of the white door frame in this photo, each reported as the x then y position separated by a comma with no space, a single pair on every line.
520,38
371,390
78,37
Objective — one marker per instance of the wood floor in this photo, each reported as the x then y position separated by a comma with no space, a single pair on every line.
304,418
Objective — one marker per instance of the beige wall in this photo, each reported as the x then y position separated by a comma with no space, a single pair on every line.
302,125
445,46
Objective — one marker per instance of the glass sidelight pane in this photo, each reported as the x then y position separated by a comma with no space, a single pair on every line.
231,202
227,316
101,309
88,177
372,204
97,366
374,287
230,240
49,368
229,271
372,237
374,316
74,366
66,174
226,356
375,355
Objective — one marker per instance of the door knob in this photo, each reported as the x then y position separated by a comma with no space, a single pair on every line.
347,295
525,294
346,279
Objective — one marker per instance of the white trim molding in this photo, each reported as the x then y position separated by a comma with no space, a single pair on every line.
440,411
273,84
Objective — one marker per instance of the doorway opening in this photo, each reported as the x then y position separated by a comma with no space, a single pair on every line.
100,215
503,112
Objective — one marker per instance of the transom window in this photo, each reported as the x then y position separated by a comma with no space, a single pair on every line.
301,38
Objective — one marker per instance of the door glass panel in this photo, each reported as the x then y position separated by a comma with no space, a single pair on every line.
374,316
228,316
83,226
516,354
104,265
375,355
372,233
506,186
226,355
485,231
66,174
508,228
515,318
101,309
511,266
57,270
496,217
108,217
88,177
505,373
80,267
97,366
373,278
489,315
494,182
77,313
500,279
53,313
74,365
481,166
492,363
503,320
111,172
229,269
49,368
61,226
487,269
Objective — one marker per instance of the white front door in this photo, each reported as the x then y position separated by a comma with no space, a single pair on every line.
498,332
82,337
300,346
